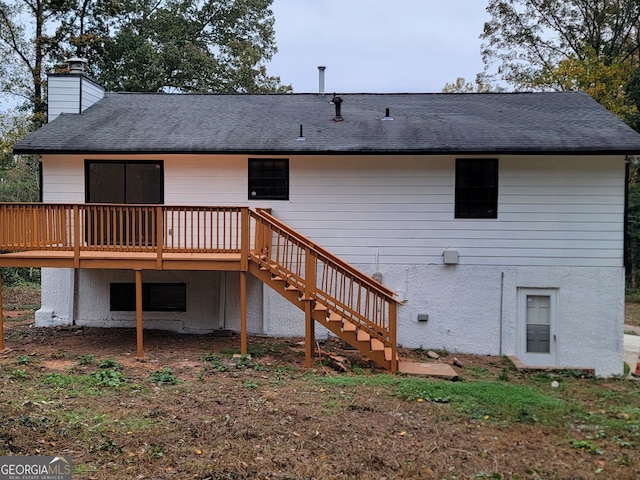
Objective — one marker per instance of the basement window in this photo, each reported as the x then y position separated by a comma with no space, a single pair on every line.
268,179
156,297
476,190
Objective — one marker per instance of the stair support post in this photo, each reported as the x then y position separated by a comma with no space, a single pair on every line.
393,335
309,293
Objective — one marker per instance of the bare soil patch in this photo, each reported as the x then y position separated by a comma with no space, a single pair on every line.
269,418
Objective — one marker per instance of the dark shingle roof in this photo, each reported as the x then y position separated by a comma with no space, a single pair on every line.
550,122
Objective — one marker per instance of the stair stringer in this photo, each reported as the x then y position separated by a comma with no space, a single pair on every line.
320,313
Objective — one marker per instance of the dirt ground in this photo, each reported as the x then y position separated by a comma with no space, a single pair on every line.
273,419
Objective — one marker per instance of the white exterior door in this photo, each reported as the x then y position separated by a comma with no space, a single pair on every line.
537,322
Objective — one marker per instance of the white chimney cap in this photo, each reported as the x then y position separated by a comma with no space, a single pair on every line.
77,65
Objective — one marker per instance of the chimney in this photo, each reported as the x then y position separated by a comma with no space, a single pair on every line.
71,92
321,80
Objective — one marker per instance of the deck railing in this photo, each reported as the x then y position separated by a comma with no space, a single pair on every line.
120,228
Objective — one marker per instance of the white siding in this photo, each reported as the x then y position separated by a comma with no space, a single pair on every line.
91,93
63,95
71,94
553,211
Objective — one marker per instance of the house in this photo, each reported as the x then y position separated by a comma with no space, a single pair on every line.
485,223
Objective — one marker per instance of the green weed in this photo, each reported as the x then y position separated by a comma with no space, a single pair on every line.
22,360
19,374
108,377
214,363
109,363
245,361
164,377
87,359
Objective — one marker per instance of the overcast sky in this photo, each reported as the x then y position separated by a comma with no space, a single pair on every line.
377,46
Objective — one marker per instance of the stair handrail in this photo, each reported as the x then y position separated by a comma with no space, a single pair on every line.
387,292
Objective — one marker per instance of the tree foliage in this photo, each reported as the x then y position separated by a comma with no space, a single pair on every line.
530,39
207,46
18,174
590,45
138,45
461,85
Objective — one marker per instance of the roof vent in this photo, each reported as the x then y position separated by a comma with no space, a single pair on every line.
301,136
386,115
321,80
337,101
77,65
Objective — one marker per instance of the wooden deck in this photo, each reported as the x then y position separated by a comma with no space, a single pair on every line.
169,237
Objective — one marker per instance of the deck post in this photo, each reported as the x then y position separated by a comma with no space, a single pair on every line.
393,335
243,312
1,316
309,294
140,350
309,335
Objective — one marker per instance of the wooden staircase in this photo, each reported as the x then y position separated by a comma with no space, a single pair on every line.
348,303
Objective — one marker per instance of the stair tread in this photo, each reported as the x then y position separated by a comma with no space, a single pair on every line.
335,317
320,307
363,336
348,327
376,345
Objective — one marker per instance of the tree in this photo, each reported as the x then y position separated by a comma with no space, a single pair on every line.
206,46
590,45
462,86
530,39
18,174
142,45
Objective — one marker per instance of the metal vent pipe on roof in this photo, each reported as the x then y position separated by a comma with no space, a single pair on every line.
321,70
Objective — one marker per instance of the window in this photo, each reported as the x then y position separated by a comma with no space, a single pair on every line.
476,194
537,326
110,181
156,297
268,179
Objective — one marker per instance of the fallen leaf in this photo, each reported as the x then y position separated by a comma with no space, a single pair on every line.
198,451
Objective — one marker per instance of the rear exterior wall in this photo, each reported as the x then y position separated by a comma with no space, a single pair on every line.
559,228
